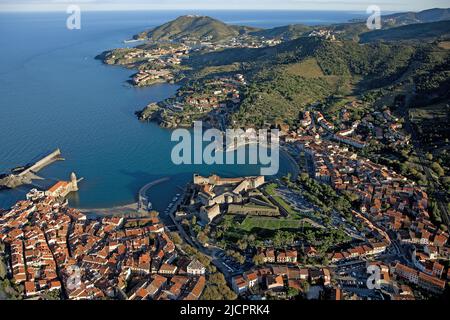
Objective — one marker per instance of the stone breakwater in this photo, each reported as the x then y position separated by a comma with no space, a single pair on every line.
27,174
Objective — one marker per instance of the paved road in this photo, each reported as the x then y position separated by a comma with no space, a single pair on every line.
295,167
210,252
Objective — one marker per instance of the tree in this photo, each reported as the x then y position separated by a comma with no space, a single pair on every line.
258,259
3,269
305,286
176,238
240,258
242,244
292,292
202,237
196,228
53,295
288,177
438,169
217,288
283,238
304,177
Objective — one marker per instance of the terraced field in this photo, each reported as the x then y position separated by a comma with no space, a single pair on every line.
269,223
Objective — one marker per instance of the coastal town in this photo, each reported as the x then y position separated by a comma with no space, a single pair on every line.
155,63
363,213
393,234
213,103
56,252
266,239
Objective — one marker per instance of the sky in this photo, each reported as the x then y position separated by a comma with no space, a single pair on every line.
347,5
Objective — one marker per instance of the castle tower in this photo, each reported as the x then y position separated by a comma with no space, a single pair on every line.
73,182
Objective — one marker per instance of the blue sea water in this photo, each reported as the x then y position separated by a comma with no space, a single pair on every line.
54,94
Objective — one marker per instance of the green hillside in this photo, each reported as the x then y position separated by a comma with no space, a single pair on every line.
287,78
307,72
289,32
207,28
194,28
426,16
353,30
415,32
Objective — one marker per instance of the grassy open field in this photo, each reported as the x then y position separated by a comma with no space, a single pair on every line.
216,70
269,223
308,68
270,189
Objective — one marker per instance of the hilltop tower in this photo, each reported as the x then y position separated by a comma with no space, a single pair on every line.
73,182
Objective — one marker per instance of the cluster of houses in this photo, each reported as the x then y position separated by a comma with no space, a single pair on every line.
314,123
164,55
385,127
364,250
394,280
54,247
146,77
392,208
388,200
217,93
379,126
428,282
345,135
270,255
202,102
277,278
158,62
321,121
241,41
323,33
210,100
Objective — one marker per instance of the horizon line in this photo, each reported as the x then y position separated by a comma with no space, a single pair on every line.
61,9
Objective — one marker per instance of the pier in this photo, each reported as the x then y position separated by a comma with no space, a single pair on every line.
143,201
26,174
47,160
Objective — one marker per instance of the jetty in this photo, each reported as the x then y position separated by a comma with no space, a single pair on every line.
26,174
143,202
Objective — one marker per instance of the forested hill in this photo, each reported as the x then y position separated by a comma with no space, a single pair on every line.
412,32
209,29
288,78
288,32
426,16
409,57
195,28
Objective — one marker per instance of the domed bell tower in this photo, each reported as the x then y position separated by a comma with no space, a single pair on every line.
74,182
